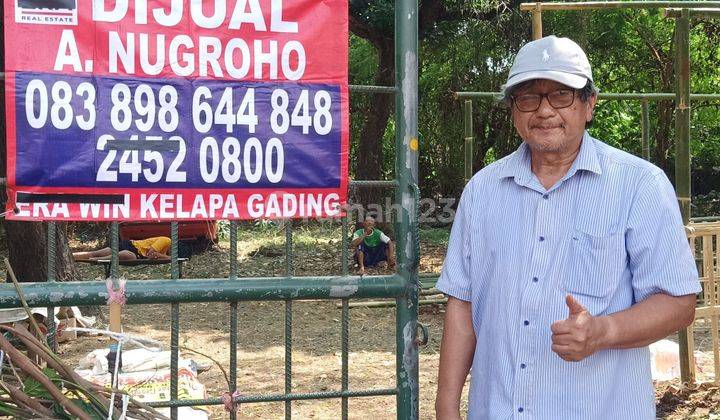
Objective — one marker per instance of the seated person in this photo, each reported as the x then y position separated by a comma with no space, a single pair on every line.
372,247
154,248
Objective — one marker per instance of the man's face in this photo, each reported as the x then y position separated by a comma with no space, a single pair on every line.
369,225
548,129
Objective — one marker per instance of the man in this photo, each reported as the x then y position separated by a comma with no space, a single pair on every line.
155,248
566,259
372,247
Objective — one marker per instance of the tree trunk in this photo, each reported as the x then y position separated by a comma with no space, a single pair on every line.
27,247
370,150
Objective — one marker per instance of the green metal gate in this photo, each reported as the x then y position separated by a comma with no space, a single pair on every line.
402,285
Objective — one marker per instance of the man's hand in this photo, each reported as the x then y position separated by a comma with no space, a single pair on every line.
151,254
578,336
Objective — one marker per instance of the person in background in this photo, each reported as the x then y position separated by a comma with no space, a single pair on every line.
372,247
155,248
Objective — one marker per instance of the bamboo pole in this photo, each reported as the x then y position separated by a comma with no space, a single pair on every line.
682,156
468,140
537,21
599,5
623,96
645,130
694,13
711,298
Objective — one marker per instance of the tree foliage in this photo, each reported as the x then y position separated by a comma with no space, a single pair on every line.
469,46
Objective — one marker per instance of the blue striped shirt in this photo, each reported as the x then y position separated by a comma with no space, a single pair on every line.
609,233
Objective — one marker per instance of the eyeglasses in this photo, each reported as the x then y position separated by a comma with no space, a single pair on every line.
558,99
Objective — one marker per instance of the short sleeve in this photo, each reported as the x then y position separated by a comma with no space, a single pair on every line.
161,244
356,234
659,255
455,276
384,238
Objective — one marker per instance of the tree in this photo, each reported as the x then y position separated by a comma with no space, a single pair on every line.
374,22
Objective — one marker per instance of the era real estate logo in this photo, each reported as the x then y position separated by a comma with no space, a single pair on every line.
46,12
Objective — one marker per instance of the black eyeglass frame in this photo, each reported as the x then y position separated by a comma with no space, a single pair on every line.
544,96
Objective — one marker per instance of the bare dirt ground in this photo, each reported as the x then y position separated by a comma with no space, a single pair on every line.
316,335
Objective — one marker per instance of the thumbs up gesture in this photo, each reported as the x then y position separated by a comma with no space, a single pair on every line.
578,336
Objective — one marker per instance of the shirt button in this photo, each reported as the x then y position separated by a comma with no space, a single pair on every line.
523,365
546,196
535,279
526,322
520,410
542,238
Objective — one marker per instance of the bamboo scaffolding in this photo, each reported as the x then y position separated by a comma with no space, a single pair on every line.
605,5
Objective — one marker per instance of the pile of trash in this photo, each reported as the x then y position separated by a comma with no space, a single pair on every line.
145,375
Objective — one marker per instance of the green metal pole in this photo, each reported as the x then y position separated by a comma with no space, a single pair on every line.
682,153
174,321
345,332
645,130
468,140
288,319
114,252
51,268
233,314
94,292
406,164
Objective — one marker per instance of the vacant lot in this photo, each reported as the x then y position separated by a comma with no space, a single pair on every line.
316,334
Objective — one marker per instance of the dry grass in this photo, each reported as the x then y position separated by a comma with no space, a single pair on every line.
316,329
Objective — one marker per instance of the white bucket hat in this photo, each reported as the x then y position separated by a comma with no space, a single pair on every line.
553,58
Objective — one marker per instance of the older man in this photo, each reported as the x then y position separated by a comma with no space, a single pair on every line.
566,259
372,247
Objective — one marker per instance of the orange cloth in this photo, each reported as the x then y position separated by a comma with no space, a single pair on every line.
160,244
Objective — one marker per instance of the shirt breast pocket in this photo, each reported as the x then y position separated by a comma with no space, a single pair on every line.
594,268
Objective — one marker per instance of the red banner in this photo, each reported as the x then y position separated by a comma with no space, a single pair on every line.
176,109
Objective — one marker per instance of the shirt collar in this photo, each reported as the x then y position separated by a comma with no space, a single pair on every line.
518,164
